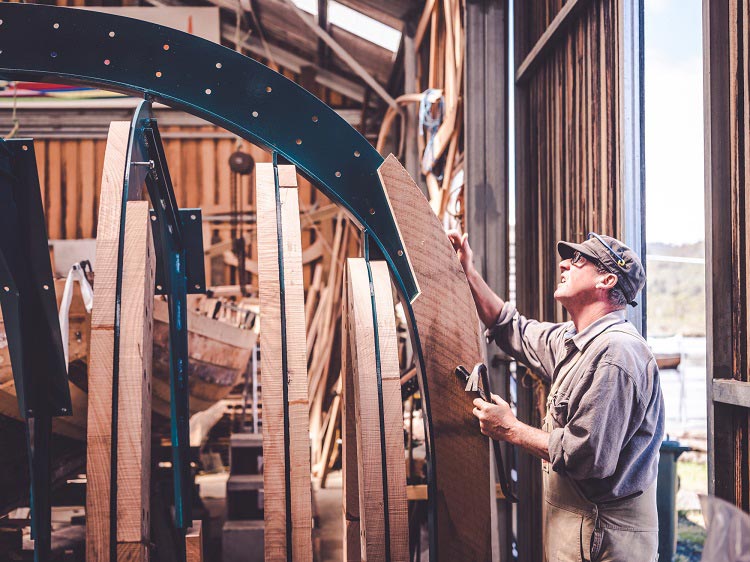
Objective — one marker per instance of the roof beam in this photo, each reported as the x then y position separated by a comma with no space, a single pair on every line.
295,63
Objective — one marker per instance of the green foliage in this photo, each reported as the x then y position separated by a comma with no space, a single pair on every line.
676,296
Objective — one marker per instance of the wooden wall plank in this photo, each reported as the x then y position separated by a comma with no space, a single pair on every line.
101,357
382,494
88,187
277,518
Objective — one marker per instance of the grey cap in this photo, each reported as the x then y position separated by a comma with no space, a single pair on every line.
615,257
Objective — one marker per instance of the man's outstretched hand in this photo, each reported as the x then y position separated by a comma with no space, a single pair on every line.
496,419
463,250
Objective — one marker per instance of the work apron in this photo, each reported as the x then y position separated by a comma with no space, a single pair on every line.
578,530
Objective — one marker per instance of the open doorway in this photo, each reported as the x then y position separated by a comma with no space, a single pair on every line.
676,321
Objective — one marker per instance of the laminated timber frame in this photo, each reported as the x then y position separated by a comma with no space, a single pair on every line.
266,109
726,84
379,482
579,167
283,353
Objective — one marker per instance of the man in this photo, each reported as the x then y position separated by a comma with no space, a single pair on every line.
600,440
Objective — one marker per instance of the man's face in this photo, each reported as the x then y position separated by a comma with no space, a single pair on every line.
578,279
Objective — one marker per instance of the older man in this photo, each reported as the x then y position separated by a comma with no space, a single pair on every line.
600,440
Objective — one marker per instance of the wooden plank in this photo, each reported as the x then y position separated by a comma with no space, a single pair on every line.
275,469
461,471
134,388
71,191
563,18
101,359
53,207
379,415
350,495
194,543
87,161
731,391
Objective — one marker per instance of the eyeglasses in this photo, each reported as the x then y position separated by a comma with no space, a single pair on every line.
578,258
619,258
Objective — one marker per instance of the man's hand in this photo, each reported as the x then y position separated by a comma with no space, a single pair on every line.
496,420
463,250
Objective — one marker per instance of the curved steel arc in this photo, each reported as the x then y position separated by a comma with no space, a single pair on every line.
65,45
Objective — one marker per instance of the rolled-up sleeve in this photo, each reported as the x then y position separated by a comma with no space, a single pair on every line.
529,342
590,443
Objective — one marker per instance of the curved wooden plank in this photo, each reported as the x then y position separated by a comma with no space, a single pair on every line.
445,330
286,441
382,494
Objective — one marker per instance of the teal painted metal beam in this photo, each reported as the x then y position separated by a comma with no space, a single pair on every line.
64,45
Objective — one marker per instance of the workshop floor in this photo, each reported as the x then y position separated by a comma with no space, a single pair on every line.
327,536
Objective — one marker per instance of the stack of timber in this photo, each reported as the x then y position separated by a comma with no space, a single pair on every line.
436,89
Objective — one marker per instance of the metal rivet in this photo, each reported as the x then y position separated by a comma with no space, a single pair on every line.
158,73
153,217
111,33
25,147
255,113
372,211
400,252
314,118
106,62
165,47
53,54
56,26
298,141
45,287
193,217
338,174
269,89
218,65
208,91
1,22
63,410
197,286
158,287
356,153
6,289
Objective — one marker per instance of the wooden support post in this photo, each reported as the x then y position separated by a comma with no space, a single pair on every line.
194,543
134,403
379,415
350,495
286,451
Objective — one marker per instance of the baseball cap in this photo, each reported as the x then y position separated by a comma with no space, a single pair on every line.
615,257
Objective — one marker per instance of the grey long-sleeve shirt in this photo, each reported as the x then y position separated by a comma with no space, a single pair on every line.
609,407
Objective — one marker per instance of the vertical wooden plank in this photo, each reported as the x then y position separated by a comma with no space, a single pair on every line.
134,388
71,183
101,356
279,430
379,414
194,543
53,207
87,159
349,465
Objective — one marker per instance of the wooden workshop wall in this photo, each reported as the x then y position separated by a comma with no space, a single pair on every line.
70,171
726,33
578,168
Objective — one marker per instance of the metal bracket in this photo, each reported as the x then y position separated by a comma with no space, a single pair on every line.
178,241
27,297
63,45
191,227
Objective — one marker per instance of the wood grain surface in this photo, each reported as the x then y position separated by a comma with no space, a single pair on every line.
446,329
382,494
274,472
